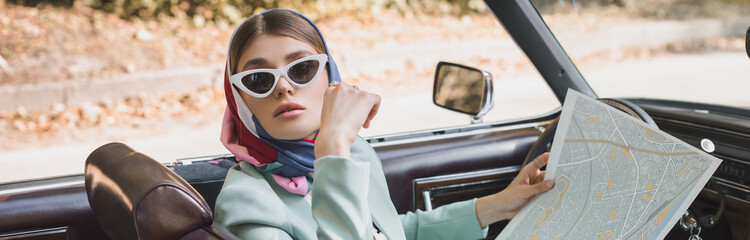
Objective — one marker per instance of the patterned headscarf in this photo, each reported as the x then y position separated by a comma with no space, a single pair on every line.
289,161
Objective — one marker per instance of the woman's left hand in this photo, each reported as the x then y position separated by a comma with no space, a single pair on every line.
346,109
506,203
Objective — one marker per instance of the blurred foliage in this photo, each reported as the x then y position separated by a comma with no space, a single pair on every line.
235,10
201,11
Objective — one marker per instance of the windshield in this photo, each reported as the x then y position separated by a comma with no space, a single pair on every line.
77,76
687,50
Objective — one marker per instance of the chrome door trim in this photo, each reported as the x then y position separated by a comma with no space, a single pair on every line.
428,138
52,230
502,170
9,189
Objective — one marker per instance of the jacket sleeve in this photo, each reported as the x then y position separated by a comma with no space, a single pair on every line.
339,198
243,207
453,221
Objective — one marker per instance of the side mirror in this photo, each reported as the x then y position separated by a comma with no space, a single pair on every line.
463,89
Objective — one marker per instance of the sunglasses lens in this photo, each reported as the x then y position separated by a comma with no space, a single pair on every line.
259,82
304,72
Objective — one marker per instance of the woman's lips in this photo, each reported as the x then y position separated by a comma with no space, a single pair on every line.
287,110
289,114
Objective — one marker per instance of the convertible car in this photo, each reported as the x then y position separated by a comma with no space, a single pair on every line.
127,195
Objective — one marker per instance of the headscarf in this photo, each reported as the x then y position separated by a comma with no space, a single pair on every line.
289,161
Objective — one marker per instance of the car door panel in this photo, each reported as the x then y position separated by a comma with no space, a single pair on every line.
46,211
453,164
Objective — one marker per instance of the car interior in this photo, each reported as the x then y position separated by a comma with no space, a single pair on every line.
125,194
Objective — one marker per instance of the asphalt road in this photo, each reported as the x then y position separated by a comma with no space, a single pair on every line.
716,77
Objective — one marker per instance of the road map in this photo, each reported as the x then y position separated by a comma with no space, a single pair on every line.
616,177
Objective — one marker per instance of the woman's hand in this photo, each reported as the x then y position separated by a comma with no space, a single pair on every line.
506,204
346,109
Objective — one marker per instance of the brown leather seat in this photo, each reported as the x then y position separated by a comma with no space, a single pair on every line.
136,197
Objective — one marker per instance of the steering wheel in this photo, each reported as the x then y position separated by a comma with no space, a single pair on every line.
545,140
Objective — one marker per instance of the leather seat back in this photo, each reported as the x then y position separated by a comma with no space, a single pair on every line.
136,197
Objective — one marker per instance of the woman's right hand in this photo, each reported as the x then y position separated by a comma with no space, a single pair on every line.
346,109
508,202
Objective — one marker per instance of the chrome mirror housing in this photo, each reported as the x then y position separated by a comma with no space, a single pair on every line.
463,89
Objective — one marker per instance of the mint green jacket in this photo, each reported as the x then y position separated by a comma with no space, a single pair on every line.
348,195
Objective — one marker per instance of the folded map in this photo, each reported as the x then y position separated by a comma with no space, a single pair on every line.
616,177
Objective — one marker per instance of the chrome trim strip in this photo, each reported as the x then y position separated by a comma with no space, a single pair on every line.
730,184
502,170
44,230
731,159
540,119
41,187
733,184
457,134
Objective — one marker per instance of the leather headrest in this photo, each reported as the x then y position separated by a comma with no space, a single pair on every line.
136,197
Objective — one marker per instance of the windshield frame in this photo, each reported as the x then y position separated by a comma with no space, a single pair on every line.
530,32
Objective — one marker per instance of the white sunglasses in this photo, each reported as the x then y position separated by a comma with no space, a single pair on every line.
260,83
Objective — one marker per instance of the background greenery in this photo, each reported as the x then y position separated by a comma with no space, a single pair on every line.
232,10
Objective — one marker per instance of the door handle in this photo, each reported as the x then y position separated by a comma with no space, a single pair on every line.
427,200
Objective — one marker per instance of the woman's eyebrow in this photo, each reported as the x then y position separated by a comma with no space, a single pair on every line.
293,56
262,62
256,62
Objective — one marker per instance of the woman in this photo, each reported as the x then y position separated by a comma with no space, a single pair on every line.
291,122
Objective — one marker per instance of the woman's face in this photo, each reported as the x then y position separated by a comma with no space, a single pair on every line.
303,121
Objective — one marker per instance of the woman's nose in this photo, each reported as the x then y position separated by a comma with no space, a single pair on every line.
283,87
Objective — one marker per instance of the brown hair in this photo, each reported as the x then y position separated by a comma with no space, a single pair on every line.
280,22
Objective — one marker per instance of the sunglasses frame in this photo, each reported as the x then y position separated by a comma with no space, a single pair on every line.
236,79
